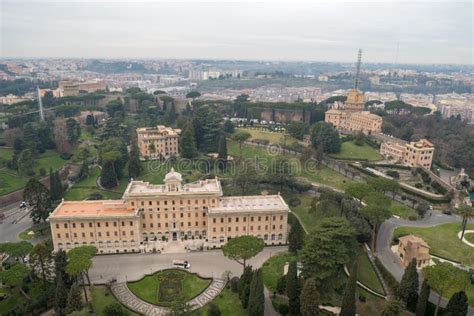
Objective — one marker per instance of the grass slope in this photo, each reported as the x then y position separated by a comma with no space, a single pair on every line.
349,150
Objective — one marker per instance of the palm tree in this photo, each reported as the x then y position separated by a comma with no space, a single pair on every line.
467,213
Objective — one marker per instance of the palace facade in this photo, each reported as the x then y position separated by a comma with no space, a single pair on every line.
352,117
157,142
413,154
171,211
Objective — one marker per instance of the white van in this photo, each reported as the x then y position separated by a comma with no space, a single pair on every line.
183,264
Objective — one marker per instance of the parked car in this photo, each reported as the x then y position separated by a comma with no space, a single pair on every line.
183,264
447,212
23,204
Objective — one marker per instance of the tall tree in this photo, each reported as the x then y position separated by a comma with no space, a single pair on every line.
55,185
280,171
256,298
423,299
309,299
60,263
188,144
18,250
407,291
228,127
26,162
296,237
241,137
393,308
358,190
14,277
74,299
325,136
41,257
348,307
376,211
38,197
457,305
241,249
384,185
327,249
193,94
222,153
60,296
244,285
466,212
293,289
108,176
134,166
444,278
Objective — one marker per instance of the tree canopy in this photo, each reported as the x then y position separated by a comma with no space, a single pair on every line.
243,248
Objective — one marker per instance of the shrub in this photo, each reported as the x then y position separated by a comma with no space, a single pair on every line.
66,156
42,172
418,185
393,174
95,196
294,201
412,218
234,284
362,298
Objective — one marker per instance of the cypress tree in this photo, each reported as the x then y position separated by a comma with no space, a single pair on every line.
222,153
423,299
457,305
309,299
188,144
74,299
295,237
293,289
60,296
59,186
407,291
134,166
108,177
244,285
256,297
348,307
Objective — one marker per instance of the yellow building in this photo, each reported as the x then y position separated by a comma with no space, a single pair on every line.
412,247
413,154
157,142
352,116
149,213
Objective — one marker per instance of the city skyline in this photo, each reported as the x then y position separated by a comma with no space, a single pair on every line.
422,33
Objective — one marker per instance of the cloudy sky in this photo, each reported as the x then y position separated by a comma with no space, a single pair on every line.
423,31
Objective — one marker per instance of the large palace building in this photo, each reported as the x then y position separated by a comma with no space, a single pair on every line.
413,154
172,211
157,142
352,116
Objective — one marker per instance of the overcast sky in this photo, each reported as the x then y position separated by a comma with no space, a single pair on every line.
425,31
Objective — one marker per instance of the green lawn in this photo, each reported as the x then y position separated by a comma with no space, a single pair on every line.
228,303
366,273
6,153
150,287
101,297
322,175
443,240
272,137
399,209
349,150
469,237
272,269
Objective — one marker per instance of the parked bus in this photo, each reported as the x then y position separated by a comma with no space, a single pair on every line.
183,264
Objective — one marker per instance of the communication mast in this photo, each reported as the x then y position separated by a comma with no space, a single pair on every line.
359,59
40,103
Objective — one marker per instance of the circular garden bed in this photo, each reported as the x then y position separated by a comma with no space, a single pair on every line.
169,286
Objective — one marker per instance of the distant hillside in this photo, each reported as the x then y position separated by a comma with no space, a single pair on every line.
114,67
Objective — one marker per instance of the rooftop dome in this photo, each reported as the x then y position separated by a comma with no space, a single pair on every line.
173,176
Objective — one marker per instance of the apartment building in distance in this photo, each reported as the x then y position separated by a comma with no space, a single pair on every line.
351,116
157,142
149,213
73,88
412,154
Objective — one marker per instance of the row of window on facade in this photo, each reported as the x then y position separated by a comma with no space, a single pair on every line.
173,202
151,225
100,244
99,234
181,215
265,237
244,228
91,225
259,218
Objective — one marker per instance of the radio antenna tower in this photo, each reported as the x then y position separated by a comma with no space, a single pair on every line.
359,59
40,103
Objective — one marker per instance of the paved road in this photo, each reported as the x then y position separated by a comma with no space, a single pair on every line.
132,267
391,261
13,224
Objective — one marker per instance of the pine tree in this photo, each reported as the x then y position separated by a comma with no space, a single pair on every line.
293,288
188,144
60,296
108,177
222,153
309,299
244,285
407,291
296,237
348,307
457,305
134,166
74,299
423,299
256,304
